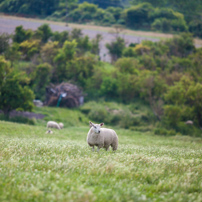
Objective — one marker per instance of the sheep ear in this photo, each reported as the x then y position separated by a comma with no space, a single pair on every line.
90,124
101,124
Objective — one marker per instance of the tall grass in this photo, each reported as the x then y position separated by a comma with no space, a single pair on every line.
35,166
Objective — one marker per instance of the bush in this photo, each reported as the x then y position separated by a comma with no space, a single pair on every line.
141,128
18,119
129,52
195,27
4,42
162,24
41,79
190,130
164,131
172,115
166,13
179,25
128,65
21,34
99,114
128,120
108,87
138,16
29,48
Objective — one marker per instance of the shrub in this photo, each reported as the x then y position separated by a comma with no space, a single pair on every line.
21,34
190,130
108,87
181,46
128,65
129,52
172,115
179,25
41,79
166,13
29,48
195,27
4,42
116,48
164,131
141,128
128,120
44,32
162,24
99,114
141,49
138,16
18,119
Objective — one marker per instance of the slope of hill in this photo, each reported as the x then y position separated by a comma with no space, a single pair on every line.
8,24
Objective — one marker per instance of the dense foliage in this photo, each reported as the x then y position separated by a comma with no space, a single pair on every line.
164,16
164,75
14,92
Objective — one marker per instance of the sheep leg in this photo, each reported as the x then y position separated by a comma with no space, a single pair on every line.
98,147
93,148
107,148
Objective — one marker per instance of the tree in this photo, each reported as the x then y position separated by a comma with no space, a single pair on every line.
13,53
116,48
138,16
4,42
65,55
21,34
195,27
49,51
29,48
44,32
14,92
95,44
41,79
4,70
182,45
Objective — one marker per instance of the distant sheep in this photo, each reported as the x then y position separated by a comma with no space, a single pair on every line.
49,131
189,122
53,124
101,137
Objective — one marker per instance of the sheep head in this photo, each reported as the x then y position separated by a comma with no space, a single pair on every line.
96,127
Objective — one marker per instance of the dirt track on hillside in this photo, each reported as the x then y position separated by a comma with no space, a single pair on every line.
8,24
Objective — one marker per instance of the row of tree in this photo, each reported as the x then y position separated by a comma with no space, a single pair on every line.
164,16
166,74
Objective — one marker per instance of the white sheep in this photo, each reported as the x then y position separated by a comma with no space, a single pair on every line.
101,137
53,124
61,125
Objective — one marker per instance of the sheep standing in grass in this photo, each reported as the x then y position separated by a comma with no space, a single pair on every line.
53,124
101,137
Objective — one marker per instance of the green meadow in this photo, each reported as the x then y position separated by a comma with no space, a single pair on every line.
35,166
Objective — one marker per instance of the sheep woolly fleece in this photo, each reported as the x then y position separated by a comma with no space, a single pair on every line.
53,124
102,137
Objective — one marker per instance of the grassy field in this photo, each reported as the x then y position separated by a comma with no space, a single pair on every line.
35,166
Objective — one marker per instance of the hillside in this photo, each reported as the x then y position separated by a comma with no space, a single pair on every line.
147,74
9,23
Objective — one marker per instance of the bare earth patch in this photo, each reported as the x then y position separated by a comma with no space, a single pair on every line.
8,24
